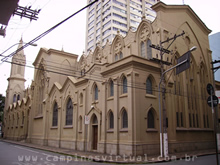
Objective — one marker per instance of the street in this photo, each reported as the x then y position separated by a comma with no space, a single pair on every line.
12,154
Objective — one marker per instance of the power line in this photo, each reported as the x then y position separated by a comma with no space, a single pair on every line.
194,95
46,32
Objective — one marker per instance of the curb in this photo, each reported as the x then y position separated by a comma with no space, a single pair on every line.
114,158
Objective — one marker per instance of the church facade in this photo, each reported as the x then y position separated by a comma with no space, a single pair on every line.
107,101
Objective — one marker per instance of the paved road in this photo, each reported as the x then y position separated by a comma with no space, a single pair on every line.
11,154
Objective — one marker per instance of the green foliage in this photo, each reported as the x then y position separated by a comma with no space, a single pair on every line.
2,102
2,105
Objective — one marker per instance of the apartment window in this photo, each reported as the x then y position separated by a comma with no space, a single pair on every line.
120,3
105,25
98,24
135,16
119,16
98,31
91,23
106,5
108,16
69,112
91,11
135,10
120,10
122,31
106,38
98,12
91,30
134,22
106,31
55,115
106,11
98,5
90,48
136,4
98,18
119,23
91,18
90,43
91,36
98,37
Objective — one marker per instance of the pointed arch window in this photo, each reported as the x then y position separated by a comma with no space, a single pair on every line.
150,119
124,85
95,120
116,57
111,88
80,123
142,49
111,120
18,97
124,119
95,93
55,115
69,112
14,98
149,89
120,55
149,50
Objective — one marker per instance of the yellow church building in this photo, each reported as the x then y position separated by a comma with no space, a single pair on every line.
108,101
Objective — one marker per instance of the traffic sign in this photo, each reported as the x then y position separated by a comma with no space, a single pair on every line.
185,65
214,101
210,89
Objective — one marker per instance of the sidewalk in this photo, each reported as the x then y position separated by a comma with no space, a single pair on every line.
99,157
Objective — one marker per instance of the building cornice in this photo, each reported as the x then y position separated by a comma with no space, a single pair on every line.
160,6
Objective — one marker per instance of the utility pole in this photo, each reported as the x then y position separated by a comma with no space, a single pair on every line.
164,120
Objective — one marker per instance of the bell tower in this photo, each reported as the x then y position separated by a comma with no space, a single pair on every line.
16,81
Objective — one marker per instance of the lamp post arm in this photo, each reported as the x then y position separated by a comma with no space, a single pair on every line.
9,48
162,75
13,46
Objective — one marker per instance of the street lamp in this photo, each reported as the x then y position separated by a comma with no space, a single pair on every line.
13,46
193,48
164,137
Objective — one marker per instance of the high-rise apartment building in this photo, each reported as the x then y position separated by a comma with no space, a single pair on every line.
106,17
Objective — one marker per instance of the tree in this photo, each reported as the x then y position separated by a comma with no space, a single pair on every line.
2,105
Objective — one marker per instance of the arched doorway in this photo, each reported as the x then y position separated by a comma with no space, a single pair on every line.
94,132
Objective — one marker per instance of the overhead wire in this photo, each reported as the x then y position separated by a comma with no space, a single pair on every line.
95,79
46,32
51,66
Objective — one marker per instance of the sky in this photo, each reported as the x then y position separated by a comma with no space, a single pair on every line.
70,36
